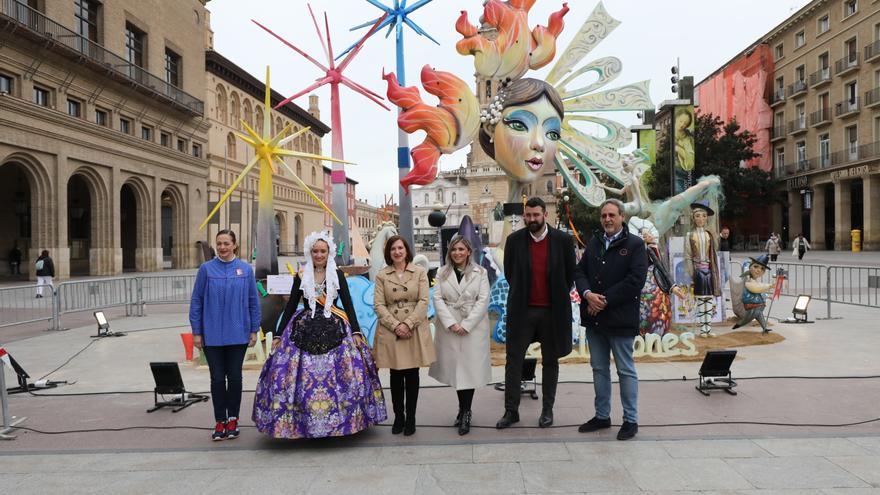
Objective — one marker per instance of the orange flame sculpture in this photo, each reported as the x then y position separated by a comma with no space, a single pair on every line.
450,126
515,49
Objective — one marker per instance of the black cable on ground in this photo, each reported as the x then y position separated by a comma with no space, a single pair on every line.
668,425
570,382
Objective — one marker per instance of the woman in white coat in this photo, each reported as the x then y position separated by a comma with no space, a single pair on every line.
461,336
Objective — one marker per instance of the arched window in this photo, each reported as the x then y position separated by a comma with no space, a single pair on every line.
221,104
259,121
236,111
416,221
549,187
314,175
440,195
279,126
299,169
427,199
230,146
453,198
248,113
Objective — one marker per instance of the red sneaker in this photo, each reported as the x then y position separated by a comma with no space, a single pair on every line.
232,428
219,431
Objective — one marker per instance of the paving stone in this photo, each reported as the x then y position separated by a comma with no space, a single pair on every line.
566,477
708,449
794,472
520,452
367,480
867,468
785,447
461,479
426,454
693,474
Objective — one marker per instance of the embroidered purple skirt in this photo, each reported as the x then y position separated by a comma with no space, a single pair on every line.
302,395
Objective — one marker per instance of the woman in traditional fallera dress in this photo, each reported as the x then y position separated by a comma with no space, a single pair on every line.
320,380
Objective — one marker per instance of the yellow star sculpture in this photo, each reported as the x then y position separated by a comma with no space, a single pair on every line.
267,152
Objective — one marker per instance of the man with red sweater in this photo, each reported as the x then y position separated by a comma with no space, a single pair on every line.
539,265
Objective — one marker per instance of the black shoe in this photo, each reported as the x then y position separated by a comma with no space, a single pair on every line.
465,426
409,426
546,418
458,418
627,430
509,418
397,427
595,424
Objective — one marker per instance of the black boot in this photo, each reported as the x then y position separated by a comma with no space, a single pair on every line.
412,400
397,401
465,426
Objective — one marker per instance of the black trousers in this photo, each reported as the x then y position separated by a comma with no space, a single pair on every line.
224,364
538,327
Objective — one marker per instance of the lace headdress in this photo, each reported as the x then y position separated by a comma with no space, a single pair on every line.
331,279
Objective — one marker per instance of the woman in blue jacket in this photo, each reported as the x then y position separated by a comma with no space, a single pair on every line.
225,318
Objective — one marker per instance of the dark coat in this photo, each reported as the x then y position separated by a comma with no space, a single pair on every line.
48,267
560,270
618,274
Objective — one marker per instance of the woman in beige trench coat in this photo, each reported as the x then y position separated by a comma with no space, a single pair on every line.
461,301
403,339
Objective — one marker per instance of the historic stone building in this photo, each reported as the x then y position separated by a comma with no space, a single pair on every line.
823,94
234,96
449,192
103,133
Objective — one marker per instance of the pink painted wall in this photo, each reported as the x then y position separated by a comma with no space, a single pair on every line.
740,91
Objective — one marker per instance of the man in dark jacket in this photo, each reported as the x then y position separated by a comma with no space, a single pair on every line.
610,277
539,266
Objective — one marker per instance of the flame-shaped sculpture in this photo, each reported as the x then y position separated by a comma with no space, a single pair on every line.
450,126
515,49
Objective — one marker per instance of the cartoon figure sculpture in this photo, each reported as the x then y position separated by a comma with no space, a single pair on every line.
702,265
753,293
654,306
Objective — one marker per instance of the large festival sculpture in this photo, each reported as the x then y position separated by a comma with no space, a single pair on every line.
333,75
396,17
268,153
531,122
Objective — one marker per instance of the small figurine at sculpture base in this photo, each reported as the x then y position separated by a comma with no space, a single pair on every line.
753,293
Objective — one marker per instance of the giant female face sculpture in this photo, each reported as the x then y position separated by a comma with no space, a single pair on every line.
522,127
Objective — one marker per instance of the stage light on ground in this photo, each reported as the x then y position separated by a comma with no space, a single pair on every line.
715,372
104,326
799,311
169,382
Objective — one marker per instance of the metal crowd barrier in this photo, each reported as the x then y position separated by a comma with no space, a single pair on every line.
21,305
855,285
18,305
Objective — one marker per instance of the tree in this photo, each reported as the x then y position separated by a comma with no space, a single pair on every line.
585,218
720,150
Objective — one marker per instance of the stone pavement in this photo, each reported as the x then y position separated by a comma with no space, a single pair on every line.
731,455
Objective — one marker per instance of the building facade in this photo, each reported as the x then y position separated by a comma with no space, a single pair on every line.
234,96
824,93
103,149
450,193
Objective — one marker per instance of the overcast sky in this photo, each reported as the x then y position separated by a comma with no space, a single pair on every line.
653,33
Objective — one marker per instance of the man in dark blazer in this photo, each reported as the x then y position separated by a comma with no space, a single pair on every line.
539,266
610,277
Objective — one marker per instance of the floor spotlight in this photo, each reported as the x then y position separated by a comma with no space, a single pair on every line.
529,384
715,372
169,382
104,326
799,311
